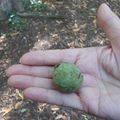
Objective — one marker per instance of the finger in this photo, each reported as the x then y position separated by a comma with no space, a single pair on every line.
53,97
80,57
22,82
38,71
50,57
110,23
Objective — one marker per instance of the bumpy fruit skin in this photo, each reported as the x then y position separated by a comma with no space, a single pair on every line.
67,77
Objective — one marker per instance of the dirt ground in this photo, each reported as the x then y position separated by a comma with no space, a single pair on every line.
78,30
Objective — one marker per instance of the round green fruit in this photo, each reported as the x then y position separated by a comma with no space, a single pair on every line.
67,77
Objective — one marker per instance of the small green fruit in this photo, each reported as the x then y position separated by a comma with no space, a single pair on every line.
67,77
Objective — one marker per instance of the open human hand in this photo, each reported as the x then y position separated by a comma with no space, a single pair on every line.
100,92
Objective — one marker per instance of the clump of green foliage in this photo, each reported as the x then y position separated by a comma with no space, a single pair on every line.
34,5
17,23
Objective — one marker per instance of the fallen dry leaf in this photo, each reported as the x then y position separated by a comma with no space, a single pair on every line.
19,94
18,104
55,108
61,117
6,111
76,29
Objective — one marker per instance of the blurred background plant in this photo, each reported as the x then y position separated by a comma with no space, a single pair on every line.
16,23
34,5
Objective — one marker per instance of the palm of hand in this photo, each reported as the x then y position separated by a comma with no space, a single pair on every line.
100,91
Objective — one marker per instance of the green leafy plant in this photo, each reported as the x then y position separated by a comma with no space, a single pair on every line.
34,5
17,23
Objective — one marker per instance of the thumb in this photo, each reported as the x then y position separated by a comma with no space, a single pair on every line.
110,23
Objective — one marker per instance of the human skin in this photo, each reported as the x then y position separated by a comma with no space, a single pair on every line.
100,66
